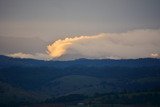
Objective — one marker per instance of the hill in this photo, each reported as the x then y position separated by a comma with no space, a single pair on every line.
41,80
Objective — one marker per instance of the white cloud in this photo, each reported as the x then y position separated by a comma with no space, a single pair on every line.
39,56
155,55
131,44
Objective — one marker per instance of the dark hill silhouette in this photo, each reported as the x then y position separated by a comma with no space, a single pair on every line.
45,79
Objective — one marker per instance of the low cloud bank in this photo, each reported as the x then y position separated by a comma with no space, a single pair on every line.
38,56
131,44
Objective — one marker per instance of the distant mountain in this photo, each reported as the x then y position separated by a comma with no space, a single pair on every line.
45,79
79,62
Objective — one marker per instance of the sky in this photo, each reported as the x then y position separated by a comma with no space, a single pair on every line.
47,21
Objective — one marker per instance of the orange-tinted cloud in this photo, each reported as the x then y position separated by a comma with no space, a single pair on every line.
131,44
155,55
59,47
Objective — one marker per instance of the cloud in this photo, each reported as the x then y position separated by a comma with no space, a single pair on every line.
59,47
39,56
155,55
132,44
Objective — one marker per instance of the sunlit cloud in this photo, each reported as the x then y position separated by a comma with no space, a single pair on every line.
155,55
59,47
131,44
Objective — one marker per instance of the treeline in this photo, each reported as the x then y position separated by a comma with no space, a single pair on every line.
149,97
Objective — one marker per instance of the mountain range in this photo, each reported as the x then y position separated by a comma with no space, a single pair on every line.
29,80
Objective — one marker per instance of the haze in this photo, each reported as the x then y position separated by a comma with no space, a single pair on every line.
28,27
